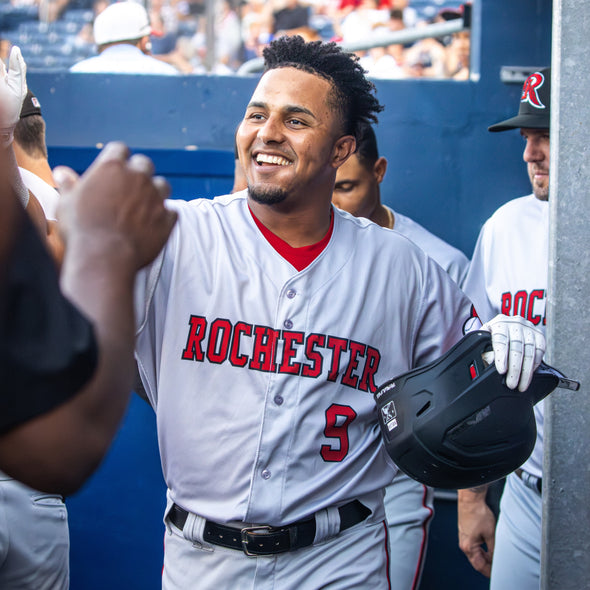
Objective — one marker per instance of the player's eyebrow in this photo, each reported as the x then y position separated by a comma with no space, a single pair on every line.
256,104
297,109
289,109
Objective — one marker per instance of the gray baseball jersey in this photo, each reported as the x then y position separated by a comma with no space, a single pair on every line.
451,259
262,376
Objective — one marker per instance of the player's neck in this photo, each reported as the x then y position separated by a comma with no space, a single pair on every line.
297,227
38,166
383,216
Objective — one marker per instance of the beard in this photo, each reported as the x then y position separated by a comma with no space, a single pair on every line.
267,195
541,193
541,190
540,187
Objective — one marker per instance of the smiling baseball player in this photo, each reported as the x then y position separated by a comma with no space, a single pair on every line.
266,325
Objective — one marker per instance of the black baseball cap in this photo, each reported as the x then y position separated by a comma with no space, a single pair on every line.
535,104
31,106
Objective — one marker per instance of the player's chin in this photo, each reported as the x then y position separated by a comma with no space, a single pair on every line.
267,194
541,191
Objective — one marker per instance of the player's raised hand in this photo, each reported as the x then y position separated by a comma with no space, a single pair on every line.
518,348
13,89
118,203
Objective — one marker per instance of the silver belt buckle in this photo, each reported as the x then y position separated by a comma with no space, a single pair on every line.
253,530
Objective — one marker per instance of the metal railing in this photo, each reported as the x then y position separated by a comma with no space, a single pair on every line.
384,39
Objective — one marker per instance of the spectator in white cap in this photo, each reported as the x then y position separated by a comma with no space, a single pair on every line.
122,34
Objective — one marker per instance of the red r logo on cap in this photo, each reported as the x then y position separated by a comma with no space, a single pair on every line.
530,88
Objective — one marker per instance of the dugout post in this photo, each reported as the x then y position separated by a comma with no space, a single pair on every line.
565,556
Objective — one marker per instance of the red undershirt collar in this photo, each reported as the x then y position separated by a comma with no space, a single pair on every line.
298,257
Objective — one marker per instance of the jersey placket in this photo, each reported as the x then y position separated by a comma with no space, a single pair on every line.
280,412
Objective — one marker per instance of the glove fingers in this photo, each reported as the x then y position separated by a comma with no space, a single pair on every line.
540,346
528,360
488,357
518,349
537,351
515,355
17,73
500,346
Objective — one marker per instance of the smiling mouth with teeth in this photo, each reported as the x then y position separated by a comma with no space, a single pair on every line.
268,159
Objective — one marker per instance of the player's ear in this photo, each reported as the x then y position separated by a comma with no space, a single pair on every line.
380,168
345,146
145,45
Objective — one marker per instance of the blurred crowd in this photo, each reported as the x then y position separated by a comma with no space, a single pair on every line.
183,32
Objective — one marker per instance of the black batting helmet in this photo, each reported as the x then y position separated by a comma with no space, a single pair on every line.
455,424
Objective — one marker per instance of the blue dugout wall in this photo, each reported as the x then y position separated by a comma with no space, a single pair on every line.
445,170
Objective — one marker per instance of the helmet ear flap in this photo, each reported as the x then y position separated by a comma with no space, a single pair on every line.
454,423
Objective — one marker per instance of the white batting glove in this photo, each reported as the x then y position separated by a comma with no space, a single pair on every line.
518,349
13,89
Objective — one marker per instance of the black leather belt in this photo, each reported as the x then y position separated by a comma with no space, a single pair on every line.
529,480
268,540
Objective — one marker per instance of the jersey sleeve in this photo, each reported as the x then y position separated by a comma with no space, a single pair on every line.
148,277
47,347
447,315
146,284
475,283
458,270
150,301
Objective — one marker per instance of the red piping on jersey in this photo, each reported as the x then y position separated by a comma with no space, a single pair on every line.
298,257
423,545
164,544
387,554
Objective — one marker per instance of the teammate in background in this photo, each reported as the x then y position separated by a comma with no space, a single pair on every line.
60,405
122,33
13,86
33,518
409,505
358,191
264,328
508,275
30,149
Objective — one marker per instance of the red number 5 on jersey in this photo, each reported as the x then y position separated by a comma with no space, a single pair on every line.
338,419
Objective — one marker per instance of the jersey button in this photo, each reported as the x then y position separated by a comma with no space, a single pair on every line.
265,474
279,400
288,324
291,293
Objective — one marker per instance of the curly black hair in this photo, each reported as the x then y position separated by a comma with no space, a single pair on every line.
366,145
354,94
